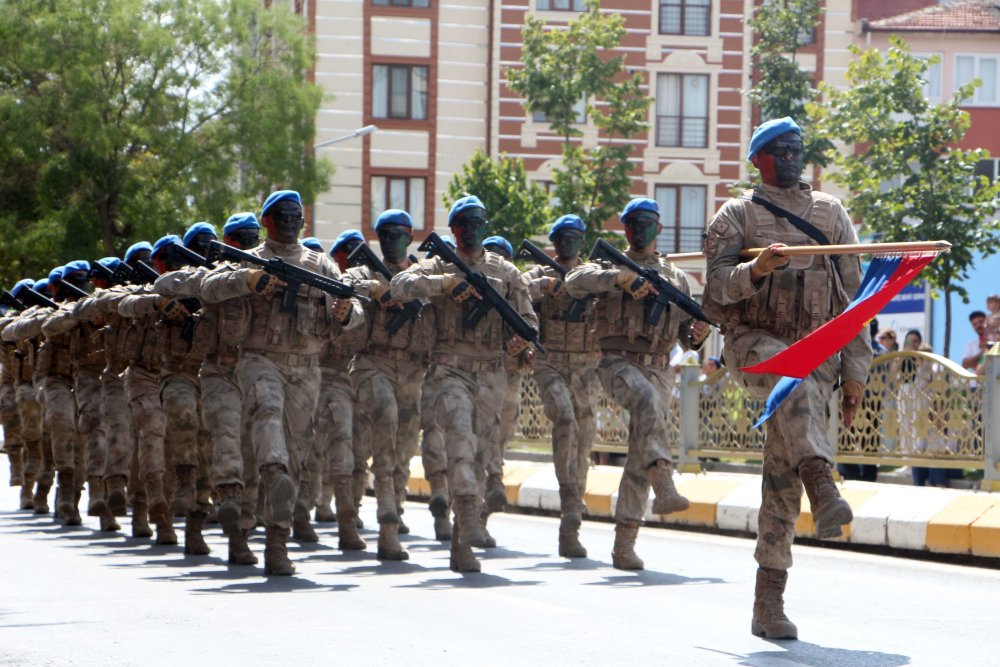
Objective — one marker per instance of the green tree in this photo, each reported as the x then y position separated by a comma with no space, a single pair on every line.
559,69
127,119
781,88
517,208
908,180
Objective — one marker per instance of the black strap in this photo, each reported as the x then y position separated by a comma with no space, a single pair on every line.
802,225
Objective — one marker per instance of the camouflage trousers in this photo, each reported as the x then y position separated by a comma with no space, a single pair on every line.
466,408
37,452
59,415
388,412
796,433
433,454
143,389
510,413
337,450
569,394
92,438
117,425
279,401
13,443
646,393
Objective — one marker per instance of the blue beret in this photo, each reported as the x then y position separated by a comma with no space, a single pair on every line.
344,237
312,243
464,204
238,221
40,285
567,222
164,242
717,360
27,283
499,241
280,195
76,265
394,216
198,228
110,263
55,275
769,130
640,204
136,247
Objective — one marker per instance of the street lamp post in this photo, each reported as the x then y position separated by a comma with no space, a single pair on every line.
367,129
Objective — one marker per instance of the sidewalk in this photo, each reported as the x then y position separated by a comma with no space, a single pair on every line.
946,521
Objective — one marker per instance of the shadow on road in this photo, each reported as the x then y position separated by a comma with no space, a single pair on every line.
471,580
649,578
276,585
813,655
567,564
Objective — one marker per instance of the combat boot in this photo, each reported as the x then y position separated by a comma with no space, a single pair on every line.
117,500
140,520
64,493
72,517
359,485
661,478
389,547
27,499
302,530
399,484
108,522
239,549
496,493
830,511
490,542
469,522
228,514
461,559
439,502
348,538
279,491
442,529
159,511
96,504
41,498
570,522
14,457
769,618
194,541
623,553
276,561
324,512
185,497
385,498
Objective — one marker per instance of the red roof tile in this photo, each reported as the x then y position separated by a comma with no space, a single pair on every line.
957,16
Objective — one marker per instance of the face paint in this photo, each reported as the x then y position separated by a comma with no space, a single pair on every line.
341,254
200,243
780,161
568,244
286,221
470,229
393,241
244,239
641,228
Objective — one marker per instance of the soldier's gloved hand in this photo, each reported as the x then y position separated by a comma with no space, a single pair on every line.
699,332
636,286
554,287
458,289
381,294
517,345
850,393
342,309
174,310
767,261
262,283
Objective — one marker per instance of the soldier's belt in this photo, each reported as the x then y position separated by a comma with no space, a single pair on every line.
586,358
466,364
289,358
641,359
395,353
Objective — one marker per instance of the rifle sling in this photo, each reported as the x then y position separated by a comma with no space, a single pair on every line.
802,225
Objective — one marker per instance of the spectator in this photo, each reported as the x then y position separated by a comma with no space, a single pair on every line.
975,349
913,340
993,304
992,338
877,347
710,365
887,337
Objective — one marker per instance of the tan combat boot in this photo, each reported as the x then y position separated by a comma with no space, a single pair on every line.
108,522
117,499
360,485
15,458
302,530
461,559
230,497
239,549
279,492
41,497
769,618
830,511
469,522
399,485
569,522
185,497
389,547
490,542
140,520
324,512
348,538
496,493
96,504
442,529
64,494
194,541
276,561
623,553
385,498
159,511
439,501
71,517
661,478
27,500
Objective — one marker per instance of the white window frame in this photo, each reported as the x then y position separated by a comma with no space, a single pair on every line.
977,59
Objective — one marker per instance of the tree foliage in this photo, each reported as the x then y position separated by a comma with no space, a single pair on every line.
127,119
517,208
559,68
908,180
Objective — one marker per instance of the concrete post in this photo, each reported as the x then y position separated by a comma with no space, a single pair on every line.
690,409
991,420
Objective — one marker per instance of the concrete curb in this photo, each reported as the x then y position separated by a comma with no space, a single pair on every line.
946,521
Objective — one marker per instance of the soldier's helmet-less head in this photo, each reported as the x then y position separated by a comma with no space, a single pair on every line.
776,151
282,216
641,218
567,234
241,231
344,245
500,246
395,233
198,236
467,219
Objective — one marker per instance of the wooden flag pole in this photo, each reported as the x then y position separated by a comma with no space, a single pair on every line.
849,249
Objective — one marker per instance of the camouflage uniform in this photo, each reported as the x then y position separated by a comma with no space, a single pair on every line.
13,442
567,383
762,319
466,375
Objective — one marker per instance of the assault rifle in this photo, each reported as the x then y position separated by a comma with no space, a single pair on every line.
293,276
27,298
69,290
98,270
491,299
9,300
139,273
363,256
529,250
190,256
656,304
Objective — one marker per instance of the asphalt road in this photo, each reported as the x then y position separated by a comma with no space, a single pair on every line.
79,597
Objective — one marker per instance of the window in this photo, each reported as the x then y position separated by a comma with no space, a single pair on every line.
932,76
579,109
559,5
399,91
402,192
988,168
984,68
685,17
682,110
682,214
550,189
401,3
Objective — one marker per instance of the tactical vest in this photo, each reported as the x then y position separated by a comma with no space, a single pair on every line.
449,316
313,316
415,336
86,346
179,355
59,355
557,334
142,343
620,316
228,324
23,361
